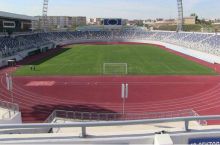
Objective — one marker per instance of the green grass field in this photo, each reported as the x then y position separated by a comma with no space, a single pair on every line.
89,59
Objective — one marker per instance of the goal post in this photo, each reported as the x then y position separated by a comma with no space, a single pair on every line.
115,68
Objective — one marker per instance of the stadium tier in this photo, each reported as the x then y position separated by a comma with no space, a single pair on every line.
209,43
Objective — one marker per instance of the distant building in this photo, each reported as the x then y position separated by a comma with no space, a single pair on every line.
95,21
190,20
98,21
159,19
166,22
79,21
61,22
135,23
216,22
148,22
124,22
91,21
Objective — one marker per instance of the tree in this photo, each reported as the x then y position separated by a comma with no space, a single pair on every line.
196,16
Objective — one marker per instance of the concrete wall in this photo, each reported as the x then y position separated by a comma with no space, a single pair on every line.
16,119
174,138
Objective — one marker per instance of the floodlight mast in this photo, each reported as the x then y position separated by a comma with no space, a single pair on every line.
180,16
44,15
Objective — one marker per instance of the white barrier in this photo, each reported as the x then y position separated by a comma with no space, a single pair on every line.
176,137
12,115
190,52
162,139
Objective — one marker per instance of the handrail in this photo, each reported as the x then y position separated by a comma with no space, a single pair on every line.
12,109
8,115
108,123
202,122
83,125
9,105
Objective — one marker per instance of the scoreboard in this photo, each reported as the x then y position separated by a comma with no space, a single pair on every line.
112,22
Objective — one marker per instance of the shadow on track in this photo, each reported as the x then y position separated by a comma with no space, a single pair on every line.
42,57
40,113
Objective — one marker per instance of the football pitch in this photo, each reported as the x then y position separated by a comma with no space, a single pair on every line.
89,60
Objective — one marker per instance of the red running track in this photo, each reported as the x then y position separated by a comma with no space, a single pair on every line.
102,94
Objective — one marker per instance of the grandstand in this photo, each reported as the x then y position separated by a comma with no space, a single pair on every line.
9,46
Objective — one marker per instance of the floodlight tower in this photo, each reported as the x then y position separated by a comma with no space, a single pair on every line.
44,15
180,16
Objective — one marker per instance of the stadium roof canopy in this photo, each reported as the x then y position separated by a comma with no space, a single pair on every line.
16,16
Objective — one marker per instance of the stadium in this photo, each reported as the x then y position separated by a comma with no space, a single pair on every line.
115,85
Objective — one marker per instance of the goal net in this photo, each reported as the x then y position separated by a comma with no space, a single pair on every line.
115,69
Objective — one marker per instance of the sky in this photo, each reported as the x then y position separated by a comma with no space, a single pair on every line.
129,9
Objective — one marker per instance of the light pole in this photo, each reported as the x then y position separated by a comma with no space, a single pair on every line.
124,96
10,89
9,83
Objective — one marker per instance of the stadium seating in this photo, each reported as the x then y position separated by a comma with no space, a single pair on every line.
209,43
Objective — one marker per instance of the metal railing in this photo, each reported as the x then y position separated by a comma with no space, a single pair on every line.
94,116
11,107
201,122
84,125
